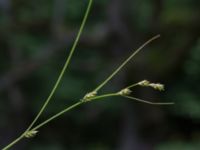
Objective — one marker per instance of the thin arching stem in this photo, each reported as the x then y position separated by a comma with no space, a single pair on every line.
57,115
148,102
65,65
131,86
14,142
59,78
125,62
72,107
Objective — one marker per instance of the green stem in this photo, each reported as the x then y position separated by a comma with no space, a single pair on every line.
56,115
131,86
65,66
14,142
59,78
104,96
125,62
148,102
72,107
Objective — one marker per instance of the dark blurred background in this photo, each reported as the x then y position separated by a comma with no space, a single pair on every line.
35,38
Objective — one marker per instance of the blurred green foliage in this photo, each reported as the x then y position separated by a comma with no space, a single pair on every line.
31,30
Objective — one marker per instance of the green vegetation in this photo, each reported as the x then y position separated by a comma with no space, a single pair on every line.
34,37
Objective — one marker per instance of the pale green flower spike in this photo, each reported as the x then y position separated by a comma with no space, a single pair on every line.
125,92
30,134
157,86
89,96
144,83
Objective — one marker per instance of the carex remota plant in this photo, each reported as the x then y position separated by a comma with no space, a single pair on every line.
32,129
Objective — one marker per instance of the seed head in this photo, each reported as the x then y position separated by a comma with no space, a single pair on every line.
125,92
157,86
30,134
89,96
144,83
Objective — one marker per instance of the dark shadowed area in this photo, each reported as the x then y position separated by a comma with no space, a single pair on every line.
35,39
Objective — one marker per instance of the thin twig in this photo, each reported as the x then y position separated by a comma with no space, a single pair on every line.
148,102
125,62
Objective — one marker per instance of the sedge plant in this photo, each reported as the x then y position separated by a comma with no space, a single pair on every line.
32,129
